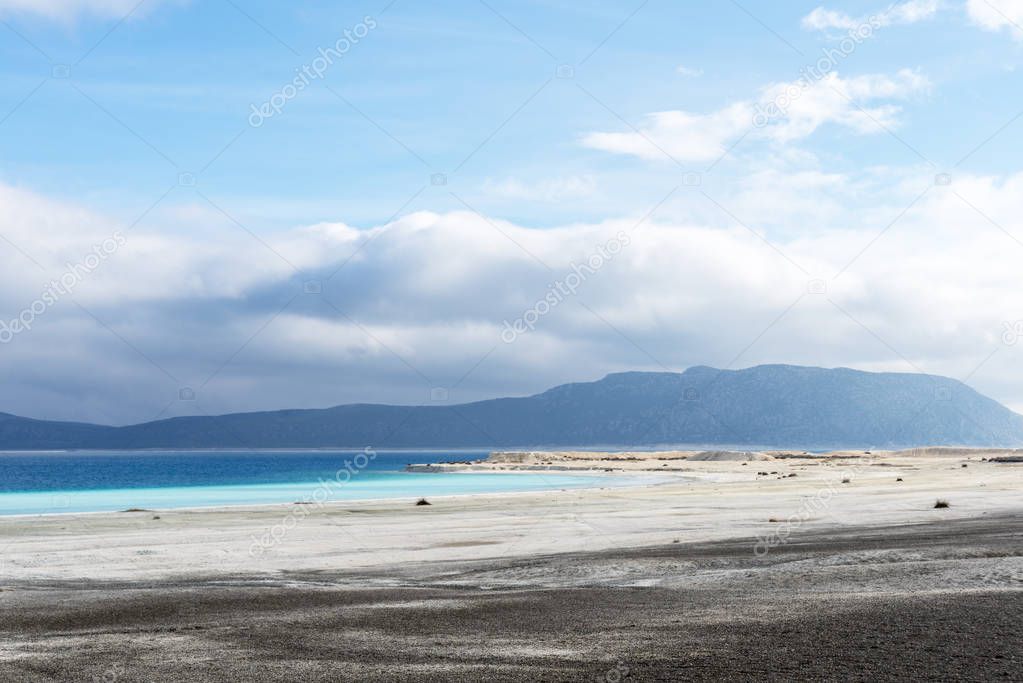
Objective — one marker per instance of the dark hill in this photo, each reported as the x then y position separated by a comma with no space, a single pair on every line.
767,405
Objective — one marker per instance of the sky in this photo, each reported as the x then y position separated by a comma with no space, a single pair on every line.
210,206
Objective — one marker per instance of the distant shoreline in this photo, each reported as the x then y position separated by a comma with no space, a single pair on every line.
680,461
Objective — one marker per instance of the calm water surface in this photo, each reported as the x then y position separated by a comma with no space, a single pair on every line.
40,483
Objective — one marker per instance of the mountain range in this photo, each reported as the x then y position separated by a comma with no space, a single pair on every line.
780,406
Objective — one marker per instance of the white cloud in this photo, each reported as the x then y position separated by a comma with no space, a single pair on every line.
688,72
434,289
846,102
69,10
995,15
822,19
913,11
683,135
783,112
908,12
991,15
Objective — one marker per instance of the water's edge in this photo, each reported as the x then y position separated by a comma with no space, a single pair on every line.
69,483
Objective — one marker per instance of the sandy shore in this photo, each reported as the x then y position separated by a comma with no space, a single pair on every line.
683,461
701,501
724,569
935,601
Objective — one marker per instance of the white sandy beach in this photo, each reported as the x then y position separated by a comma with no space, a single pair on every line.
722,570
698,501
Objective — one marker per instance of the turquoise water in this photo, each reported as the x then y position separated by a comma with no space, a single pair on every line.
106,481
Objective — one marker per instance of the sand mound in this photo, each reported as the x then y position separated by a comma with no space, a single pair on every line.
730,456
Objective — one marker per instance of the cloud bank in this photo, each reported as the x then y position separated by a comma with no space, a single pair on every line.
328,314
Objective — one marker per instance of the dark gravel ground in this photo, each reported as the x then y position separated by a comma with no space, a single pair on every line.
856,604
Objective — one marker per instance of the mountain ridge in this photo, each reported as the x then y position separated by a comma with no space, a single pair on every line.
767,405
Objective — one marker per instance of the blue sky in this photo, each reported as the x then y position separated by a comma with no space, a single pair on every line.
442,80
458,157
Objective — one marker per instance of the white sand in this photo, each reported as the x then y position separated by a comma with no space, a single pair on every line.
716,500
